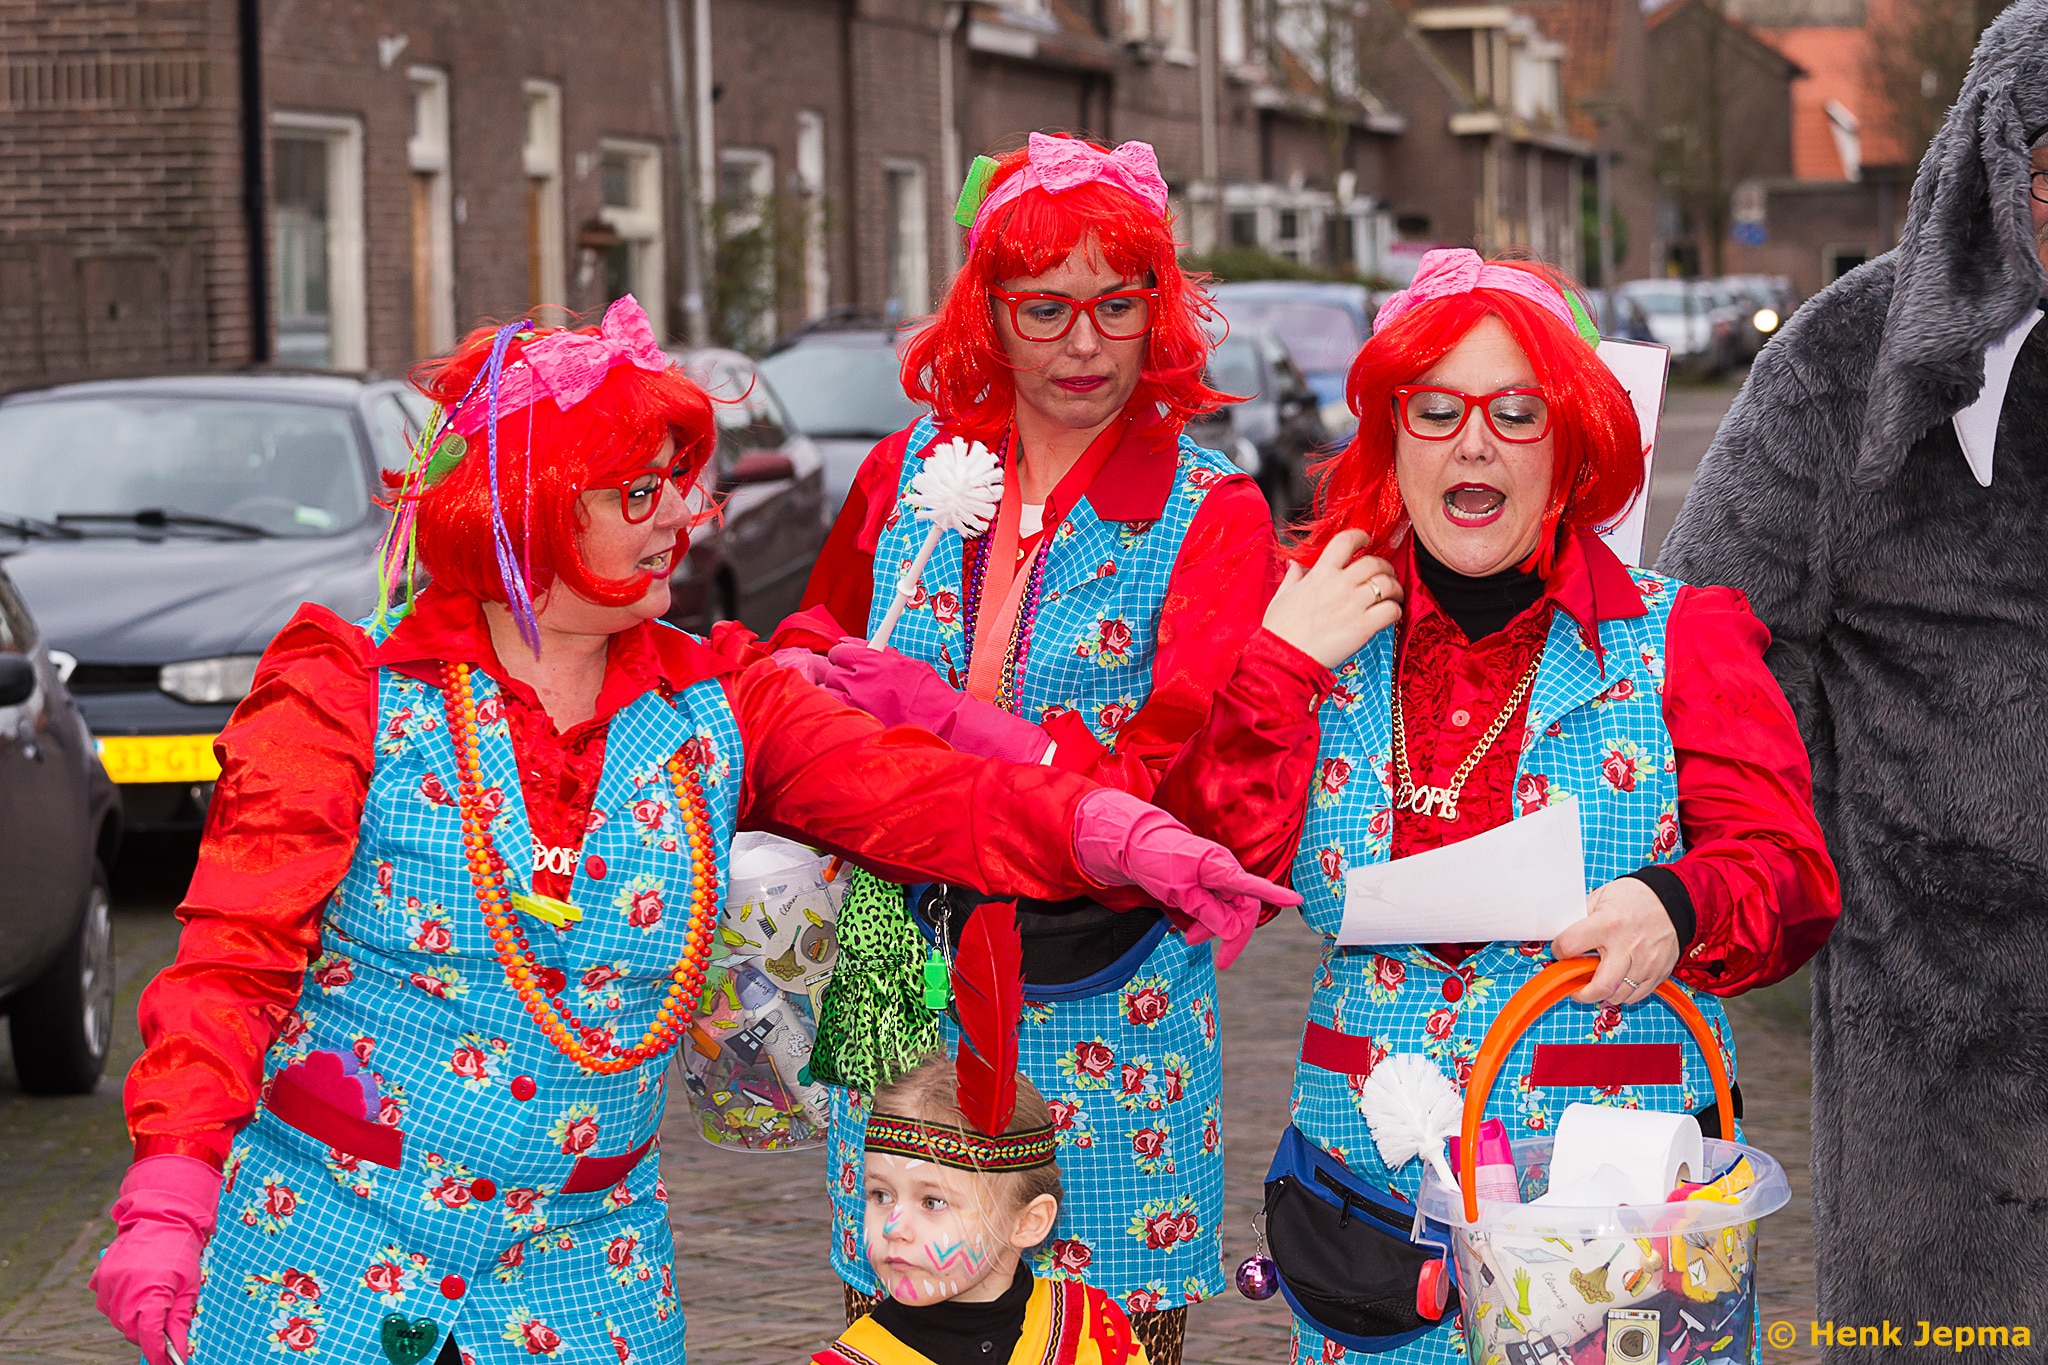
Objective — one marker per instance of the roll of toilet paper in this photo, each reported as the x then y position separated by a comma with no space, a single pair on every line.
1602,1155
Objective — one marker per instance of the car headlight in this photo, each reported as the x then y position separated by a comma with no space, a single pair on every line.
1766,320
210,681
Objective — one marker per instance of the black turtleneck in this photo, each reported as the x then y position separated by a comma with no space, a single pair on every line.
955,1333
1480,606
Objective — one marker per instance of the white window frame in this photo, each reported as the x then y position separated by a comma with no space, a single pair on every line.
347,293
542,155
909,236
1137,20
428,156
641,224
1233,47
1177,30
810,179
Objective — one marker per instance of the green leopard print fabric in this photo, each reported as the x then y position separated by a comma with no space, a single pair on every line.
873,1025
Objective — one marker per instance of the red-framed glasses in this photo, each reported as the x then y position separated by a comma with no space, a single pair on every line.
1120,315
1428,413
640,494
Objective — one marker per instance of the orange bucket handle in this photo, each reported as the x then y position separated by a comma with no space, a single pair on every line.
1536,996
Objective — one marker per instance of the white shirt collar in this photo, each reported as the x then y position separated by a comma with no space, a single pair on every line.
1977,425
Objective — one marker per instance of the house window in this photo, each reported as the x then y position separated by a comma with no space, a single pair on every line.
630,174
1231,46
546,255
1177,28
317,227
747,247
1837,261
433,220
810,177
909,270
1137,20
1244,227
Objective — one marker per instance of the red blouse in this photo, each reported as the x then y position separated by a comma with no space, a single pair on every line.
1763,889
1226,572
296,761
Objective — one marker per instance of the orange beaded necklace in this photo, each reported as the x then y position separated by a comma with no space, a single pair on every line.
593,1049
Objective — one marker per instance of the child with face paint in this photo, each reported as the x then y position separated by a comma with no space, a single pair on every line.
963,1179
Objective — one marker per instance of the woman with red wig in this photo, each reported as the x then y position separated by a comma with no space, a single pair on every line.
1457,648
1086,630
457,893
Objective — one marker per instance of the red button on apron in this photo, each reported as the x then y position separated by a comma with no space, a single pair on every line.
484,1188
523,1088
1454,988
454,1287
594,865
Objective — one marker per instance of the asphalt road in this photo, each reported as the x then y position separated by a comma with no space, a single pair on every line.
751,1229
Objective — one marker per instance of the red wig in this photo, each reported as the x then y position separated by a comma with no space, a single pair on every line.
1597,445
547,458
957,364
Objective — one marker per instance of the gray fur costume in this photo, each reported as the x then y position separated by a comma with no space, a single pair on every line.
1909,608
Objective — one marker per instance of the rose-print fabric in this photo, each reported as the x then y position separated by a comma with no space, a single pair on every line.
1131,1065
473,1230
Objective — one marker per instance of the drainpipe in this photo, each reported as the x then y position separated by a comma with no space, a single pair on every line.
686,179
707,145
255,213
1210,201
949,138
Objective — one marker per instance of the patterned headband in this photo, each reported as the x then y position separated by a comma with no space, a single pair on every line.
961,1148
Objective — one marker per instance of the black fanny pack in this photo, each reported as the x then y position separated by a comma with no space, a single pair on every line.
1071,948
1349,1262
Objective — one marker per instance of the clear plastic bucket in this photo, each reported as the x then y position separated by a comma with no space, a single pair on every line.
1635,1284
746,1059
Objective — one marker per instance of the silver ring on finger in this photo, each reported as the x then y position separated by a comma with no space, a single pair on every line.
1631,983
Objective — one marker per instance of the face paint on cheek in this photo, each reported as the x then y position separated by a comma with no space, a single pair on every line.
965,1258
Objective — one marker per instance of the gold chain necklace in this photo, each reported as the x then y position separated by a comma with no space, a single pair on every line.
1443,801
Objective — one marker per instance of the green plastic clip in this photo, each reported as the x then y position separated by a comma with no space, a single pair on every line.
938,983
974,190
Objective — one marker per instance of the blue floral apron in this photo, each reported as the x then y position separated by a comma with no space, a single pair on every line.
1592,734
525,1215
1128,1059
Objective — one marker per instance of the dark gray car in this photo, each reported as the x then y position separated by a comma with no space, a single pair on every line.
60,829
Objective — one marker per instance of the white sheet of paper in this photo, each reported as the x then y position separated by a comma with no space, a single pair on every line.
1524,880
1643,368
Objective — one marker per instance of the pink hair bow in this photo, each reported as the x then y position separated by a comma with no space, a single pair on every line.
569,365
1459,270
1059,164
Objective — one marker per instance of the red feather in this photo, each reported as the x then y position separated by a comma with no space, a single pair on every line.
988,995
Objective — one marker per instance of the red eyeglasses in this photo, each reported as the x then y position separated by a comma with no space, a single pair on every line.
1428,413
640,494
1121,315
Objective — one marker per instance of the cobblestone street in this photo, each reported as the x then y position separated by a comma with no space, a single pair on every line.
751,1229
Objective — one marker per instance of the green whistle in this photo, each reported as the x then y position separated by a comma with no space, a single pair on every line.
938,983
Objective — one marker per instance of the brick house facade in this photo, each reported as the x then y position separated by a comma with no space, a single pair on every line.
427,165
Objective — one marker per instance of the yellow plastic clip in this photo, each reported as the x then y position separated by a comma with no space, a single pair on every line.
546,909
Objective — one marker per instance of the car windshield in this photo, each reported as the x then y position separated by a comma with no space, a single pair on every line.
841,390
98,463
1234,368
1664,300
1321,336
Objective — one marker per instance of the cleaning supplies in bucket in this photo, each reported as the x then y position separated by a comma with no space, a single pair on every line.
1605,1155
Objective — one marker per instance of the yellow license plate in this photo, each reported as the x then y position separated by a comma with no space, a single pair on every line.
159,758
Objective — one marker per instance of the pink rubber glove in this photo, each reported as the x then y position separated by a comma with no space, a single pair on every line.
1121,841
811,667
897,690
148,1282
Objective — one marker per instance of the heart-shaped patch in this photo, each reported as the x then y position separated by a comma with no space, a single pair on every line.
408,1340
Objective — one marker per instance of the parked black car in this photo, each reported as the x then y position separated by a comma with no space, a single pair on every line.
1280,418
60,829
164,529
841,379
750,562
